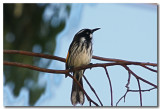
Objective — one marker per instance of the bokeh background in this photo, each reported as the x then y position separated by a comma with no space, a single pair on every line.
128,31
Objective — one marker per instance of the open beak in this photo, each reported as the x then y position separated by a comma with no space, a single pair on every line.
95,30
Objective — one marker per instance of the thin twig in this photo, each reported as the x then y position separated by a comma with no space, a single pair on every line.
127,86
122,97
142,90
136,76
133,91
109,85
92,90
129,78
140,94
149,68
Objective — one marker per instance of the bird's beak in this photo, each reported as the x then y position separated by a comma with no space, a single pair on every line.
95,30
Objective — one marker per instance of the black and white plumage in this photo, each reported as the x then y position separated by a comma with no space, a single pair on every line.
79,54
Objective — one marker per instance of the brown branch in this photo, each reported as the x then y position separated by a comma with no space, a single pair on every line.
123,61
92,90
140,94
136,76
35,68
142,90
129,78
63,59
34,54
132,91
78,68
50,71
149,68
63,71
122,98
57,71
109,85
127,86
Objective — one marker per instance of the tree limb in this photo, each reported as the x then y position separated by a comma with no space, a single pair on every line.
113,62
63,59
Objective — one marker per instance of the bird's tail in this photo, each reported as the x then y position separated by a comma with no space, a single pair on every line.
77,95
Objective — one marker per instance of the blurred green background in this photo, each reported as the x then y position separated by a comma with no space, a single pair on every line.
31,28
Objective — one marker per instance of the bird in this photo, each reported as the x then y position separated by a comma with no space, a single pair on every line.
79,54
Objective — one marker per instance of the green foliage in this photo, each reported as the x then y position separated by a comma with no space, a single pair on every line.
26,29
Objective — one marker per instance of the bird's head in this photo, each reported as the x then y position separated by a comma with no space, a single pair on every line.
85,34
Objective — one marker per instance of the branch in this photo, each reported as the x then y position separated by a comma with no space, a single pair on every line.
122,98
57,71
142,90
63,59
75,69
149,68
127,86
35,68
50,71
133,91
109,85
34,54
123,63
93,90
136,76
140,94
129,78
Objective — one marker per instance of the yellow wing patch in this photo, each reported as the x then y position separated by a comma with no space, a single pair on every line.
67,57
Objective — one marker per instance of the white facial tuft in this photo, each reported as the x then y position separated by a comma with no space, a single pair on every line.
91,35
82,39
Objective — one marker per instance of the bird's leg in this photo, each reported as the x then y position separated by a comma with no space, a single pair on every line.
90,64
71,69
